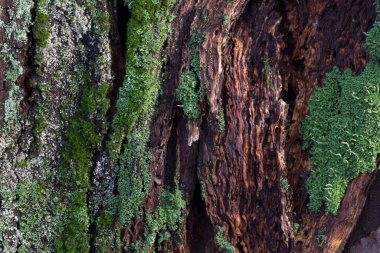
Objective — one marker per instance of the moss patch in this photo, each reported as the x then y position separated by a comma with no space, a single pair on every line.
84,135
134,184
221,122
148,29
341,131
188,95
41,29
189,89
267,72
165,220
222,242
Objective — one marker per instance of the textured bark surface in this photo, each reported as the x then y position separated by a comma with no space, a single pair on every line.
247,176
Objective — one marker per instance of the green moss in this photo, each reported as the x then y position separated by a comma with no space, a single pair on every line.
84,136
226,20
40,32
22,164
147,31
39,209
195,41
342,132
40,123
38,213
284,184
187,92
188,95
104,236
222,242
372,43
166,219
296,226
267,72
134,184
321,237
41,29
222,122
148,28
100,17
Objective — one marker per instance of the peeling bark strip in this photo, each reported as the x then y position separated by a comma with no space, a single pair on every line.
172,126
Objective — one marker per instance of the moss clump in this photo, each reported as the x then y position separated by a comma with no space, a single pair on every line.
187,92
267,72
41,29
226,20
222,242
296,227
342,132
84,137
166,219
372,43
195,40
284,184
40,32
22,164
105,235
222,122
38,215
148,27
188,95
134,184
321,237
100,17
40,123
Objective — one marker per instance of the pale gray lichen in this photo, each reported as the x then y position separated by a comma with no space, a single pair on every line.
19,20
15,30
28,222
11,104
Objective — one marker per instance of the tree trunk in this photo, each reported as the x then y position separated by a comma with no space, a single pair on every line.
84,81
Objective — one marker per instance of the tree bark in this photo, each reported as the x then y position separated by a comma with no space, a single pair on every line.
240,166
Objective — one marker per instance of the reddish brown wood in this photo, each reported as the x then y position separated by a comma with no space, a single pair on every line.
243,167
